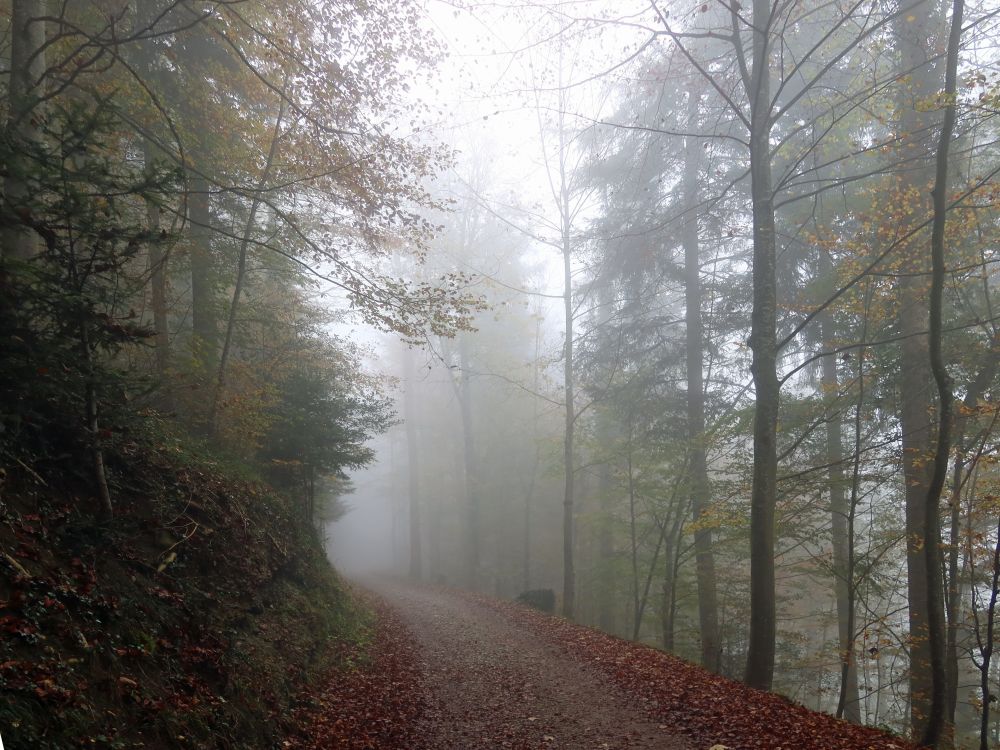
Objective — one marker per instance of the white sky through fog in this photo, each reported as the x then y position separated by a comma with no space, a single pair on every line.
484,103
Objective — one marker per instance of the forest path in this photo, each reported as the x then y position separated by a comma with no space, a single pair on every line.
491,684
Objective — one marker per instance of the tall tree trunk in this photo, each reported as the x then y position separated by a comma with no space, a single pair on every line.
158,286
469,467
667,611
708,608
841,527
529,492
93,424
606,433
410,417
935,732
763,343
605,540
569,577
633,533
204,315
672,560
144,61
915,31
27,67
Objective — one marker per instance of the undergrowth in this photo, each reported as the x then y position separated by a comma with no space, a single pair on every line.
197,617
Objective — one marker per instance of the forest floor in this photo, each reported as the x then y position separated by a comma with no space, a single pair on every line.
451,670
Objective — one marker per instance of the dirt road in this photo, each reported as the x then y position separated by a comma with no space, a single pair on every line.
490,684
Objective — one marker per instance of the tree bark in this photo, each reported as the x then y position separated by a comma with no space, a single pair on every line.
633,534
763,343
605,539
708,608
158,287
672,560
92,408
204,316
914,31
529,492
841,529
935,732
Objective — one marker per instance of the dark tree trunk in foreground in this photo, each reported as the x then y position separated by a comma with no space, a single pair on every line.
935,731
915,31
763,343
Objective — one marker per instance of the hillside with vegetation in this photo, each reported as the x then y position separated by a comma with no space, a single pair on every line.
197,617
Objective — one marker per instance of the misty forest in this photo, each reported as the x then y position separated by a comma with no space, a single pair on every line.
421,374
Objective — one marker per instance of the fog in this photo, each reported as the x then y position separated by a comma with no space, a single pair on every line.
680,315
602,184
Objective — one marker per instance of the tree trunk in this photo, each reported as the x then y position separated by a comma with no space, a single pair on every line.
763,343
935,734
158,287
667,613
410,417
529,492
27,67
204,316
841,528
469,468
708,608
93,425
569,577
915,32
633,535
672,560
605,540
985,375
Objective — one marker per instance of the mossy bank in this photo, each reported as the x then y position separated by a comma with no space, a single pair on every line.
194,618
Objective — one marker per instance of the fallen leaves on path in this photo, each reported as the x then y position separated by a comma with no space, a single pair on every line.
385,701
492,684
372,703
708,709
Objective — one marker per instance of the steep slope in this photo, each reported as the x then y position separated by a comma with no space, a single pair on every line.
193,619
